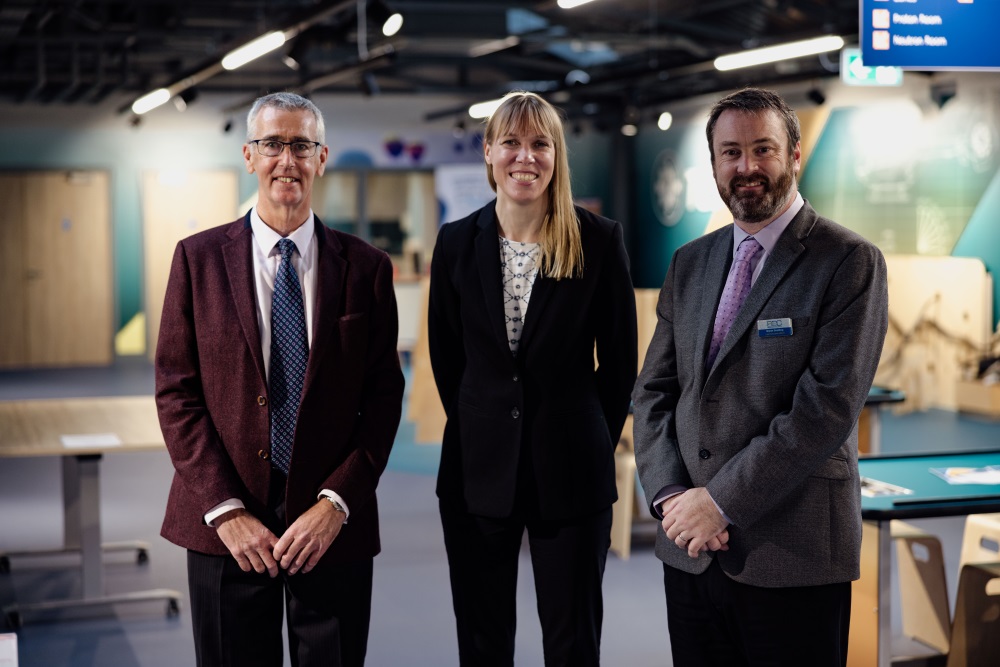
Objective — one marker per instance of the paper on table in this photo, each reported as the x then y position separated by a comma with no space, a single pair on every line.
985,475
90,440
874,488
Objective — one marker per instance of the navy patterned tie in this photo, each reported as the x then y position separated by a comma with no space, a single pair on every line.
289,354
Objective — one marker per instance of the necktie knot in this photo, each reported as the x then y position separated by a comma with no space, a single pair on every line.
748,249
287,248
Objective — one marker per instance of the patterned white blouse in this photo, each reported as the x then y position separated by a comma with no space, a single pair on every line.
518,268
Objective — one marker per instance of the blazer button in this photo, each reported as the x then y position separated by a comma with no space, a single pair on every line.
264,454
261,401
704,453
515,413
516,378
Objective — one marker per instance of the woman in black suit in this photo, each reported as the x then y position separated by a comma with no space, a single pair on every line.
521,292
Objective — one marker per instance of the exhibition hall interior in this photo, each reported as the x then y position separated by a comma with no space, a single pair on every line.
122,132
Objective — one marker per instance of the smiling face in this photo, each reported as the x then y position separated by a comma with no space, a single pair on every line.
521,163
754,166
285,181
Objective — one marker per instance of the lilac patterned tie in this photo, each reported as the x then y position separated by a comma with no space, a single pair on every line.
734,294
289,354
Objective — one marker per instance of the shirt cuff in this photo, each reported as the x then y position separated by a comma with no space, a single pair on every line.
669,491
222,508
721,511
327,493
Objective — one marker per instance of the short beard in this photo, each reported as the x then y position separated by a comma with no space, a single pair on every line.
755,208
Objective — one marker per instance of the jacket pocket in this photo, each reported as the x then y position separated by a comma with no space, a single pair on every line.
833,468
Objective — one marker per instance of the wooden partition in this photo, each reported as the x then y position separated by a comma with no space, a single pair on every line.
175,205
56,271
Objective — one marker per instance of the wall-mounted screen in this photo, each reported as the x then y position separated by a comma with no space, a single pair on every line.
931,34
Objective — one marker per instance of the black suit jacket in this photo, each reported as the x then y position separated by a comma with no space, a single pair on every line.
212,394
549,404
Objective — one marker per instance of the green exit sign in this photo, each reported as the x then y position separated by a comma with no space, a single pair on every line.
854,72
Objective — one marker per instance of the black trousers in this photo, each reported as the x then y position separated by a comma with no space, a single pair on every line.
237,616
567,558
717,622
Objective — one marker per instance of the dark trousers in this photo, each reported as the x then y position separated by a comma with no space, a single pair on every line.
237,615
717,622
567,558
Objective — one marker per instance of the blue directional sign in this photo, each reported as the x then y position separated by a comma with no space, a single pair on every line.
931,34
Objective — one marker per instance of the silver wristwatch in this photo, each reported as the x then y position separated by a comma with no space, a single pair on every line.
336,504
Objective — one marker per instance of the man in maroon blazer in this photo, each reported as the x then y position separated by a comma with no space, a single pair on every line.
274,490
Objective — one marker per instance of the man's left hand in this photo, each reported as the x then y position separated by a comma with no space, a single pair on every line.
308,538
693,520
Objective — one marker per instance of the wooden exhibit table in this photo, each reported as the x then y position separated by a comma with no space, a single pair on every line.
81,431
930,496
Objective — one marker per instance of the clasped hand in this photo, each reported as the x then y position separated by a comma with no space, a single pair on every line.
692,521
255,547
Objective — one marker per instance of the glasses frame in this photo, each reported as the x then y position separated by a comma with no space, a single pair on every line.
315,147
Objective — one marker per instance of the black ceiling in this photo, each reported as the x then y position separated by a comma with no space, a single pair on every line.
605,56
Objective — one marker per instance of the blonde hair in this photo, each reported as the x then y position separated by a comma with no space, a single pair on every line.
561,247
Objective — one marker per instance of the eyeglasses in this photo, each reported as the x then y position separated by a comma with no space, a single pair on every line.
273,147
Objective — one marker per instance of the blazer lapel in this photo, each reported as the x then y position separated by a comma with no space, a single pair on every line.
331,274
239,267
784,255
720,258
540,292
488,262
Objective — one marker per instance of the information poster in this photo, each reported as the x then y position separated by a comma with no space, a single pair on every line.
930,34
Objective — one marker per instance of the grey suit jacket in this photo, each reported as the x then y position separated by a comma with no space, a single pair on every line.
771,429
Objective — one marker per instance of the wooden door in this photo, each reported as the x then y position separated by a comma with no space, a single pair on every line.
13,350
69,301
175,205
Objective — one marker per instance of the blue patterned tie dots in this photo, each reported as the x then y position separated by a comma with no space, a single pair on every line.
518,268
733,295
289,354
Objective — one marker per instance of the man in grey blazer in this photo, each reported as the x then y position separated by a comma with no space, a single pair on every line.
746,445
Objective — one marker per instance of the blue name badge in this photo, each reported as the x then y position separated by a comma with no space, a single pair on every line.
777,327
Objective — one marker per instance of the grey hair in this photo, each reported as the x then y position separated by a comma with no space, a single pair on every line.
286,102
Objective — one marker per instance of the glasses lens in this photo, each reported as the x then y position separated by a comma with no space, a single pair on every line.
303,149
269,148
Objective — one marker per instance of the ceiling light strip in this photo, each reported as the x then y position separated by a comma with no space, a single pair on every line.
772,54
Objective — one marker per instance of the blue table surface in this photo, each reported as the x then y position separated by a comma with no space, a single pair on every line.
932,496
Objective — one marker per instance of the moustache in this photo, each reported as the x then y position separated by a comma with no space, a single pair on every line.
743,181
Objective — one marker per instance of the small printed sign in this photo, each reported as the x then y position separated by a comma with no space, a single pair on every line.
88,440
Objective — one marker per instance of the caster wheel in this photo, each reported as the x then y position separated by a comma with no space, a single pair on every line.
4,565
142,557
14,620
173,609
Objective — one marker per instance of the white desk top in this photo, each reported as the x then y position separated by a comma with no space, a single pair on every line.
37,427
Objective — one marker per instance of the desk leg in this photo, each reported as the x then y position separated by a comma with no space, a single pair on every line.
81,520
884,595
874,430
82,531
82,504
870,639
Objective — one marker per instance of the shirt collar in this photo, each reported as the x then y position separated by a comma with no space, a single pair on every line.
266,238
768,237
